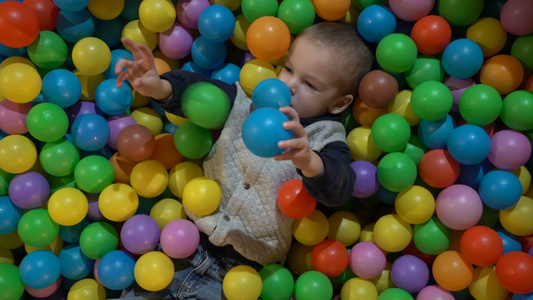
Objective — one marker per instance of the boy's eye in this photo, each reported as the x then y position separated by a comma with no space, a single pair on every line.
310,85
288,69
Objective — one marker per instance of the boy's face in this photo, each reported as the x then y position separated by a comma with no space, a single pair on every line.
315,79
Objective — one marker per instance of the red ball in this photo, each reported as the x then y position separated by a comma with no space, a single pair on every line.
330,257
19,24
46,11
294,200
431,34
481,246
438,168
515,271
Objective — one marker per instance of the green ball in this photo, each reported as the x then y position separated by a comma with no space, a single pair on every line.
255,9
59,158
5,179
94,173
460,13
47,122
396,171
517,110
426,68
480,104
278,282
396,53
57,183
297,14
431,100
362,4
395,294
522,49
193,141
432,237
36,228
390,132
98,239
490,217
313,285
415,149
206,105
11,285
49,51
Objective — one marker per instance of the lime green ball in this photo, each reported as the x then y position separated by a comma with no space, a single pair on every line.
98,239
36,228
523,50
94,173
5,179
426,68
297,14
59,158
480,104
431,100
395,294
396,53
193,141
313,285
49,51
460,13
432,237
396,171
517,110
255,9
206,105
278,282
415,149
390,132
47,122
11,285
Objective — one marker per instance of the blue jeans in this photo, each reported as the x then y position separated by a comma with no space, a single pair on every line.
198,277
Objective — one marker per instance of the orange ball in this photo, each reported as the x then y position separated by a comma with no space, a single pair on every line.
268,38
503,72
452,271
165,151
122,167
331,10
438,168
365,115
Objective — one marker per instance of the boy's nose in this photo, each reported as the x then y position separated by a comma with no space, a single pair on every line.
290,82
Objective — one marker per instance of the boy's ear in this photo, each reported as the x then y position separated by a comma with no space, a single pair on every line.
341,104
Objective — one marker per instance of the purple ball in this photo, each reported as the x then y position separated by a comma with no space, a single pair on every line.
188,11
176,42
116,124
94,210
29,190
509,149
180,238
140,234
366,179
82,108
410,273
367,260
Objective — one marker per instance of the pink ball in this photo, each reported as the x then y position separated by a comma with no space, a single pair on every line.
188,11
180,238
509,149
434,292
411,10
367,260
176,42
13,116
516,17
116,124
95,271
45,292
459,207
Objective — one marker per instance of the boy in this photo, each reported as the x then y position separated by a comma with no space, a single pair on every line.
322,69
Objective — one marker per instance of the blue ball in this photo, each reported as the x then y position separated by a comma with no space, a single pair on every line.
435,134
90,132
74,264
8,51
271,92
216,23
74,26
71,5
109,31
500,189
462,58
40,269
263,129
375,22
193,67
510,241
111,99
208,54
10,215
469,144
61,87
471,175
115,270
228,72
116,55
71,234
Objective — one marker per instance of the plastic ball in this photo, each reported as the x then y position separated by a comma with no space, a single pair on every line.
202,196
297,14
432,292
115,270
480,104
424,69
68,206
91,56
459,207
137,32
313,285
29,190
452,271
311,230
111,99
167,210
242,282
378,88
17,154
118,202
361,145
462,58
36,228
188,11
47,122
330,257
10,214
239,34
227,72
435,134
481,246
390,132
116,125
460,14
208,54
516,107
253,72
375,22
90,132
411,10
395,294
268,38
263,129
516,219
74,264
366,182
48,51
401,105
216,23
391,233
397,171
513,270
515,19
358,288
521,49
469,144
149,178
415,205
157,15
509,149
97,239
61,87
500,189
75,25
47,12
415,149
13,116
431,100
432,237
367,260
154,271
366,115
254,10
176,42
277,281
93,173
294,201
136,142
20,82
87,287
331,11
396,53
39,269
181,174
489,34
193,141
165,151
106,10
271,92
410,273
19,24
438,168
206,105
180,238
344,227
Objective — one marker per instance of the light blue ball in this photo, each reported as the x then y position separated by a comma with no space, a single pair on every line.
111,99
462,58
116,270
116,55
74,26
71,5
375,22
271,92
216,23
228,72
208,54
74,264
40,269
500,189
10,215
435,134
90,132
61,87
263,129
469,144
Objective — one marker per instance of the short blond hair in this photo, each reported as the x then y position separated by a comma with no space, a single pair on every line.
343,43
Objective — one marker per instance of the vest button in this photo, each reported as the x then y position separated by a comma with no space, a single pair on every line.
226,218
246,186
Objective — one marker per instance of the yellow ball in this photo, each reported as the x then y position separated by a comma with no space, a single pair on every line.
524,176
89,84
157,15
148,117
55,246
361,145
392,234
16,59
68,206
118,202
91,56
6,256
167,210
175,119
20,83
87,288
401,105
360,289
517,219
17,154
106,9
242,283
300,258
154,271
181,174
202,196
11,240
489,34
485,285
239,34
344,227
253,72
384,281
231,4
139,100
149,178
415,205
312,229
137,32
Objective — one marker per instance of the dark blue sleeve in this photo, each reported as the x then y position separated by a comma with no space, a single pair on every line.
334,186
180,80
